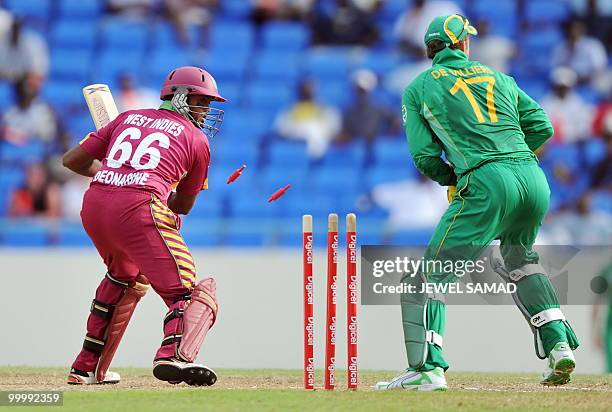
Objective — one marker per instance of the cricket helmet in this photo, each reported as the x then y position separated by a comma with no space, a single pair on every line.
197,81
189,80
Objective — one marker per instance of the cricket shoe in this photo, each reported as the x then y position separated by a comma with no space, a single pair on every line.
426,381
79,377
175,371
561,364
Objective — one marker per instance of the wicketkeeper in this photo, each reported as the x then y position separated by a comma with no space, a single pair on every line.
488,129
132,217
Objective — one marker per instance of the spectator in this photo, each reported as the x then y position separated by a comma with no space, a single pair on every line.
365,118
571,116
265,10
369,6
132,97
310,121
602,123
585,55
410,26
491,50
401,76
345,24
22,53
424,213
38,197
184,14
581,226
601,174
30,117
138,9
597,16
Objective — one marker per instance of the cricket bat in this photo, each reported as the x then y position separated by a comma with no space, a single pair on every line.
101,104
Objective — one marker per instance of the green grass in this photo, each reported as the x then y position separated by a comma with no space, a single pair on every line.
254,390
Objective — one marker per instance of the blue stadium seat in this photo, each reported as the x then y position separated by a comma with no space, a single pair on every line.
64,93
208,205
274,65
392,152
6,95
158,64
380,62
234,153
79,124
235,36
31,152
288,154
227,65
73,33
502,16
305,202
546,11
253,204
269,95
335,93
30,9
10,178
594,151
565,154
112,62
337,180
541,40
327,63
73,234
24,234
199,232
70,64
391,10
245,124
236,9
80,8
276,176
384,174
217,179
535,88
351,155
124,36
285,36
164,36
232,93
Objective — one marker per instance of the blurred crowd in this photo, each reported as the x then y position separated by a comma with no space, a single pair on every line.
577,97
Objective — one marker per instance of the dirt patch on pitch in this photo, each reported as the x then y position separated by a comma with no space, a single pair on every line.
57,381
525,384
14,379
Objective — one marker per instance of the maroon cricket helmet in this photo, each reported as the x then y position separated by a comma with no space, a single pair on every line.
196,80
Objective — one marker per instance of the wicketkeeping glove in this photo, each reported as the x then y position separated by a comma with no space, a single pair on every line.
450,193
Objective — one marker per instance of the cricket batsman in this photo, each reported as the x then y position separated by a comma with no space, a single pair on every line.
488,130
132,217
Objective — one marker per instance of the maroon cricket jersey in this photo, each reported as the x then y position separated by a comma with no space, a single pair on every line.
152,150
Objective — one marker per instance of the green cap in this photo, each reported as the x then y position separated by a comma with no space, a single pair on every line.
449,29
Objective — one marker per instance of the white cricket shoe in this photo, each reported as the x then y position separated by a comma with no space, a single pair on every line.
175,371
433,380
561,364
78,377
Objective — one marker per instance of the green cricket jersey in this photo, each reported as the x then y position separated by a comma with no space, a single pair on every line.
471,112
